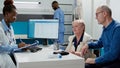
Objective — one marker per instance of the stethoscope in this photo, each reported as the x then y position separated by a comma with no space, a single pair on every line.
8,34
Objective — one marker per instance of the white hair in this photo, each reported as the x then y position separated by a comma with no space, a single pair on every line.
79,21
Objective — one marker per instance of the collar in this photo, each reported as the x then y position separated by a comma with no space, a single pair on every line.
58,8
109,26
80,40
5,27
75,41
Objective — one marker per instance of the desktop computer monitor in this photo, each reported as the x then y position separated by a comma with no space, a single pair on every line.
43,28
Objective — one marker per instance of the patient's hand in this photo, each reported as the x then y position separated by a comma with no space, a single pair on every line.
73,52
78,54
90,61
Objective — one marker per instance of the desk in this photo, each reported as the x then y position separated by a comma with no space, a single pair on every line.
41,59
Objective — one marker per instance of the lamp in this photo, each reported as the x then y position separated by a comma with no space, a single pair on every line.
19,2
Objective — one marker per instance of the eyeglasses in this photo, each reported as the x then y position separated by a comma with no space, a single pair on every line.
98,13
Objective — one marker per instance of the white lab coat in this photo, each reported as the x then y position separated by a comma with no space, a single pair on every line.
5,59
4,39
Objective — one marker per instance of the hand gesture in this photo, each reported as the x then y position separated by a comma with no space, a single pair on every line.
84,49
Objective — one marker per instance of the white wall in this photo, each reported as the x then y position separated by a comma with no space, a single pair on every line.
87,15
1,5
114,5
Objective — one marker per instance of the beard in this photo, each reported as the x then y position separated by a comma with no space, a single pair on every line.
55,8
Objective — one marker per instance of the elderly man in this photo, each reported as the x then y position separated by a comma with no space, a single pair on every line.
77,40
110,40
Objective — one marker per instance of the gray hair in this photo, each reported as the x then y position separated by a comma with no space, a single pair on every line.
80,22
106,8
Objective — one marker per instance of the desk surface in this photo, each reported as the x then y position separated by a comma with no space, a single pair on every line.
46,59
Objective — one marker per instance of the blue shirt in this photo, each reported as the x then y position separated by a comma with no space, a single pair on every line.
110,40
59,14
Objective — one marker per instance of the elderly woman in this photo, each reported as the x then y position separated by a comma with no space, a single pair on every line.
79,38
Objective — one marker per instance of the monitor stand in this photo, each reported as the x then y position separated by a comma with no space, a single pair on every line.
44,42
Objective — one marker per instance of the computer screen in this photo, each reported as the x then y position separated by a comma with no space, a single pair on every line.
43,28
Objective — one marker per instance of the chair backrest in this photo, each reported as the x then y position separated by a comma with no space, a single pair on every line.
101,51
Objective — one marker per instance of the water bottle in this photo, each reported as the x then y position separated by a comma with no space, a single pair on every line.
55,46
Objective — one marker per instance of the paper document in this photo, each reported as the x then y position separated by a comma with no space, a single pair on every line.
28,46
